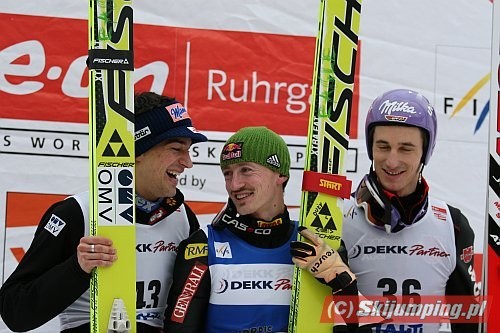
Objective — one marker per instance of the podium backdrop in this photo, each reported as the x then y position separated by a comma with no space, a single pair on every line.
235,63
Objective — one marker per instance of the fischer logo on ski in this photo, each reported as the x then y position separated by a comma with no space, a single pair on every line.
112,161
324,187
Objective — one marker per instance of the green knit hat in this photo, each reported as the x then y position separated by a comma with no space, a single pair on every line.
259,145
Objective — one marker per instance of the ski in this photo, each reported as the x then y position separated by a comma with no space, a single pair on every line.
111,162
324,187
492,234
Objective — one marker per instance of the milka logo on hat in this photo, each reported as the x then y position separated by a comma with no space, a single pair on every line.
231,151
389,107
177,112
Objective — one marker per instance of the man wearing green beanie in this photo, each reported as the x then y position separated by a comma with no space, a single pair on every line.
236,275
262,146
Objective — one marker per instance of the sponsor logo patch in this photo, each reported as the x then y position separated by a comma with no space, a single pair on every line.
439,213
467,254
177,112
55,225
196,250
274,161
222,250
232,151
187,293
143,132
408,250
269,224
279,284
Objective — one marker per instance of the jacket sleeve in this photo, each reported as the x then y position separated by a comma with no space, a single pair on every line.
462,281
48,278
194,225
190,291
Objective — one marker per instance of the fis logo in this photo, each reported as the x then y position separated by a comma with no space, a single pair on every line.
232,151
55,225
222,250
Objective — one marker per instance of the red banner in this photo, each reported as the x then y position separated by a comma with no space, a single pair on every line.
227,79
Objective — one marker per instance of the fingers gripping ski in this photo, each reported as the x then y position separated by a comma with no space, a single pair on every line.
323,262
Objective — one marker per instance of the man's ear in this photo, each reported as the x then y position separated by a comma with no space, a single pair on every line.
282,179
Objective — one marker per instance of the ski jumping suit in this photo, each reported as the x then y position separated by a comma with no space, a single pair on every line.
49,281
233,277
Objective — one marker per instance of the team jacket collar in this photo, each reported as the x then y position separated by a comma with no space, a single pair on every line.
148,212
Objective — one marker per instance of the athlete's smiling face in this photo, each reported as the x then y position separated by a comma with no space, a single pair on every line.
157,169
255,190
397,154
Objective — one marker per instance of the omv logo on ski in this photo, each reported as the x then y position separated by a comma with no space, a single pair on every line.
469,96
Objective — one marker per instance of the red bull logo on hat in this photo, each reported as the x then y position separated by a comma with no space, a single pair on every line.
232,151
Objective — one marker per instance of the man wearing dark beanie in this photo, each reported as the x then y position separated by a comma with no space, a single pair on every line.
236,275
53,277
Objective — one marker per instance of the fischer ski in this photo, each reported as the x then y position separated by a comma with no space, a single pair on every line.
324,186
491,260
112,158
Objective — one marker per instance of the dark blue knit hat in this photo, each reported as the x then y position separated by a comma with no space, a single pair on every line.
166,122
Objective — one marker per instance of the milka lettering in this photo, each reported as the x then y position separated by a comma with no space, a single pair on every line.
389,107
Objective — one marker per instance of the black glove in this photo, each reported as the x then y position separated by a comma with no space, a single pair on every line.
324,263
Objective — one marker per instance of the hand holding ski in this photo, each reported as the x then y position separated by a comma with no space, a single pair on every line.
323,262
